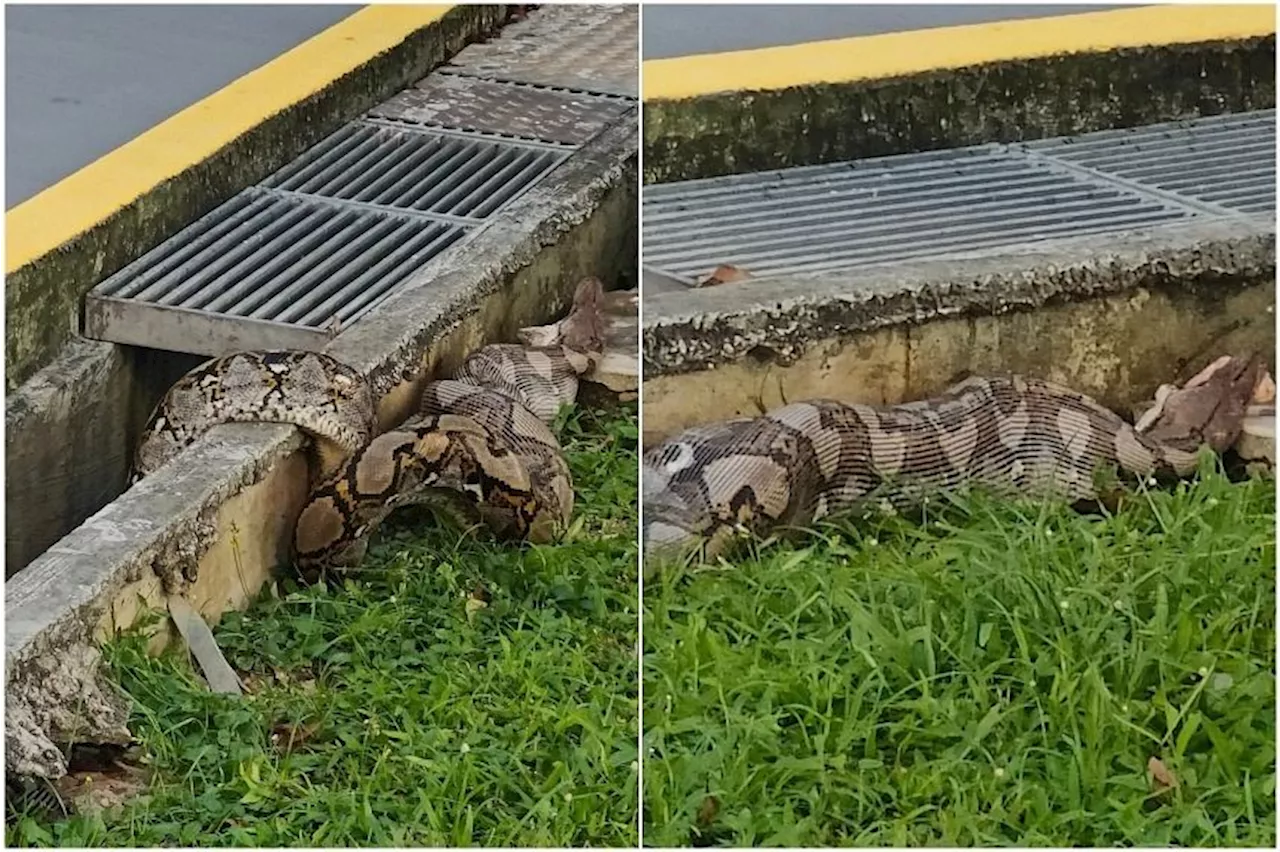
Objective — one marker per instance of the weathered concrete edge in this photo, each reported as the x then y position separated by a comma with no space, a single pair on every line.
387,343
44,296
54,606
778,319
54,679
1005,101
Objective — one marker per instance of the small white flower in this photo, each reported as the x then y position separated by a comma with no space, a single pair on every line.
1118,604
1064,605
465,748
871,542
568,797
999,771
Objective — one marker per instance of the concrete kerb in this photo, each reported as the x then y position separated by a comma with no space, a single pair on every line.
585,207
1007,101
68,381
863,334
144,544
214,525
43,297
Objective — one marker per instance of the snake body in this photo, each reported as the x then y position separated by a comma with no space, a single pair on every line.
480,444
809,460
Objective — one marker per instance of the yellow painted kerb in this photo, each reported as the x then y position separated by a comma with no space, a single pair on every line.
82,200
918,51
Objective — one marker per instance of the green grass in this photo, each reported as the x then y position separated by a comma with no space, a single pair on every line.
434,723
997,675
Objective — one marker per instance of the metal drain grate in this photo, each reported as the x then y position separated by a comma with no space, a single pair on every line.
1227,160
943,203
504,109
590,48
305,267
410,170
291,262
875,211
316,245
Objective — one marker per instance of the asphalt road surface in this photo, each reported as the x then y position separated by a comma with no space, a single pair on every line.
83,80
680,30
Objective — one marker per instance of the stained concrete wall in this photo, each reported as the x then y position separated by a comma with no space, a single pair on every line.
70,433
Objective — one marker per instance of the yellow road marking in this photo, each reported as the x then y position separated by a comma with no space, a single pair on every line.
82,200
913,52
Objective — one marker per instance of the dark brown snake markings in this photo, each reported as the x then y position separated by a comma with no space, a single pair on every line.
812,459
481,444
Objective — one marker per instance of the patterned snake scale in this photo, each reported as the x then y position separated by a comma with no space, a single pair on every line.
481,443
809,460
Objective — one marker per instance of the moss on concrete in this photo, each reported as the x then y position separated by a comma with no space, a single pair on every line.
43,299
1000,102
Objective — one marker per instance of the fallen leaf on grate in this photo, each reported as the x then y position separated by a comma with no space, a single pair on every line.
725,273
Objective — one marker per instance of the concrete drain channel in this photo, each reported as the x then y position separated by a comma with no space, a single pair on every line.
831,217
1109,261
460,210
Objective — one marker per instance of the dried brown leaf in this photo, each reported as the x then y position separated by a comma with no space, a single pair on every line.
288,736
708,811
1264,393
1161,777
476,601
725,273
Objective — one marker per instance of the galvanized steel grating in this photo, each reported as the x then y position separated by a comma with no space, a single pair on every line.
876,211
591,48
318,244
944,203
418,171
271,257
510,110
1228,160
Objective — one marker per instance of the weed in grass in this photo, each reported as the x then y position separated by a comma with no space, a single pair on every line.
393,711
996,674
